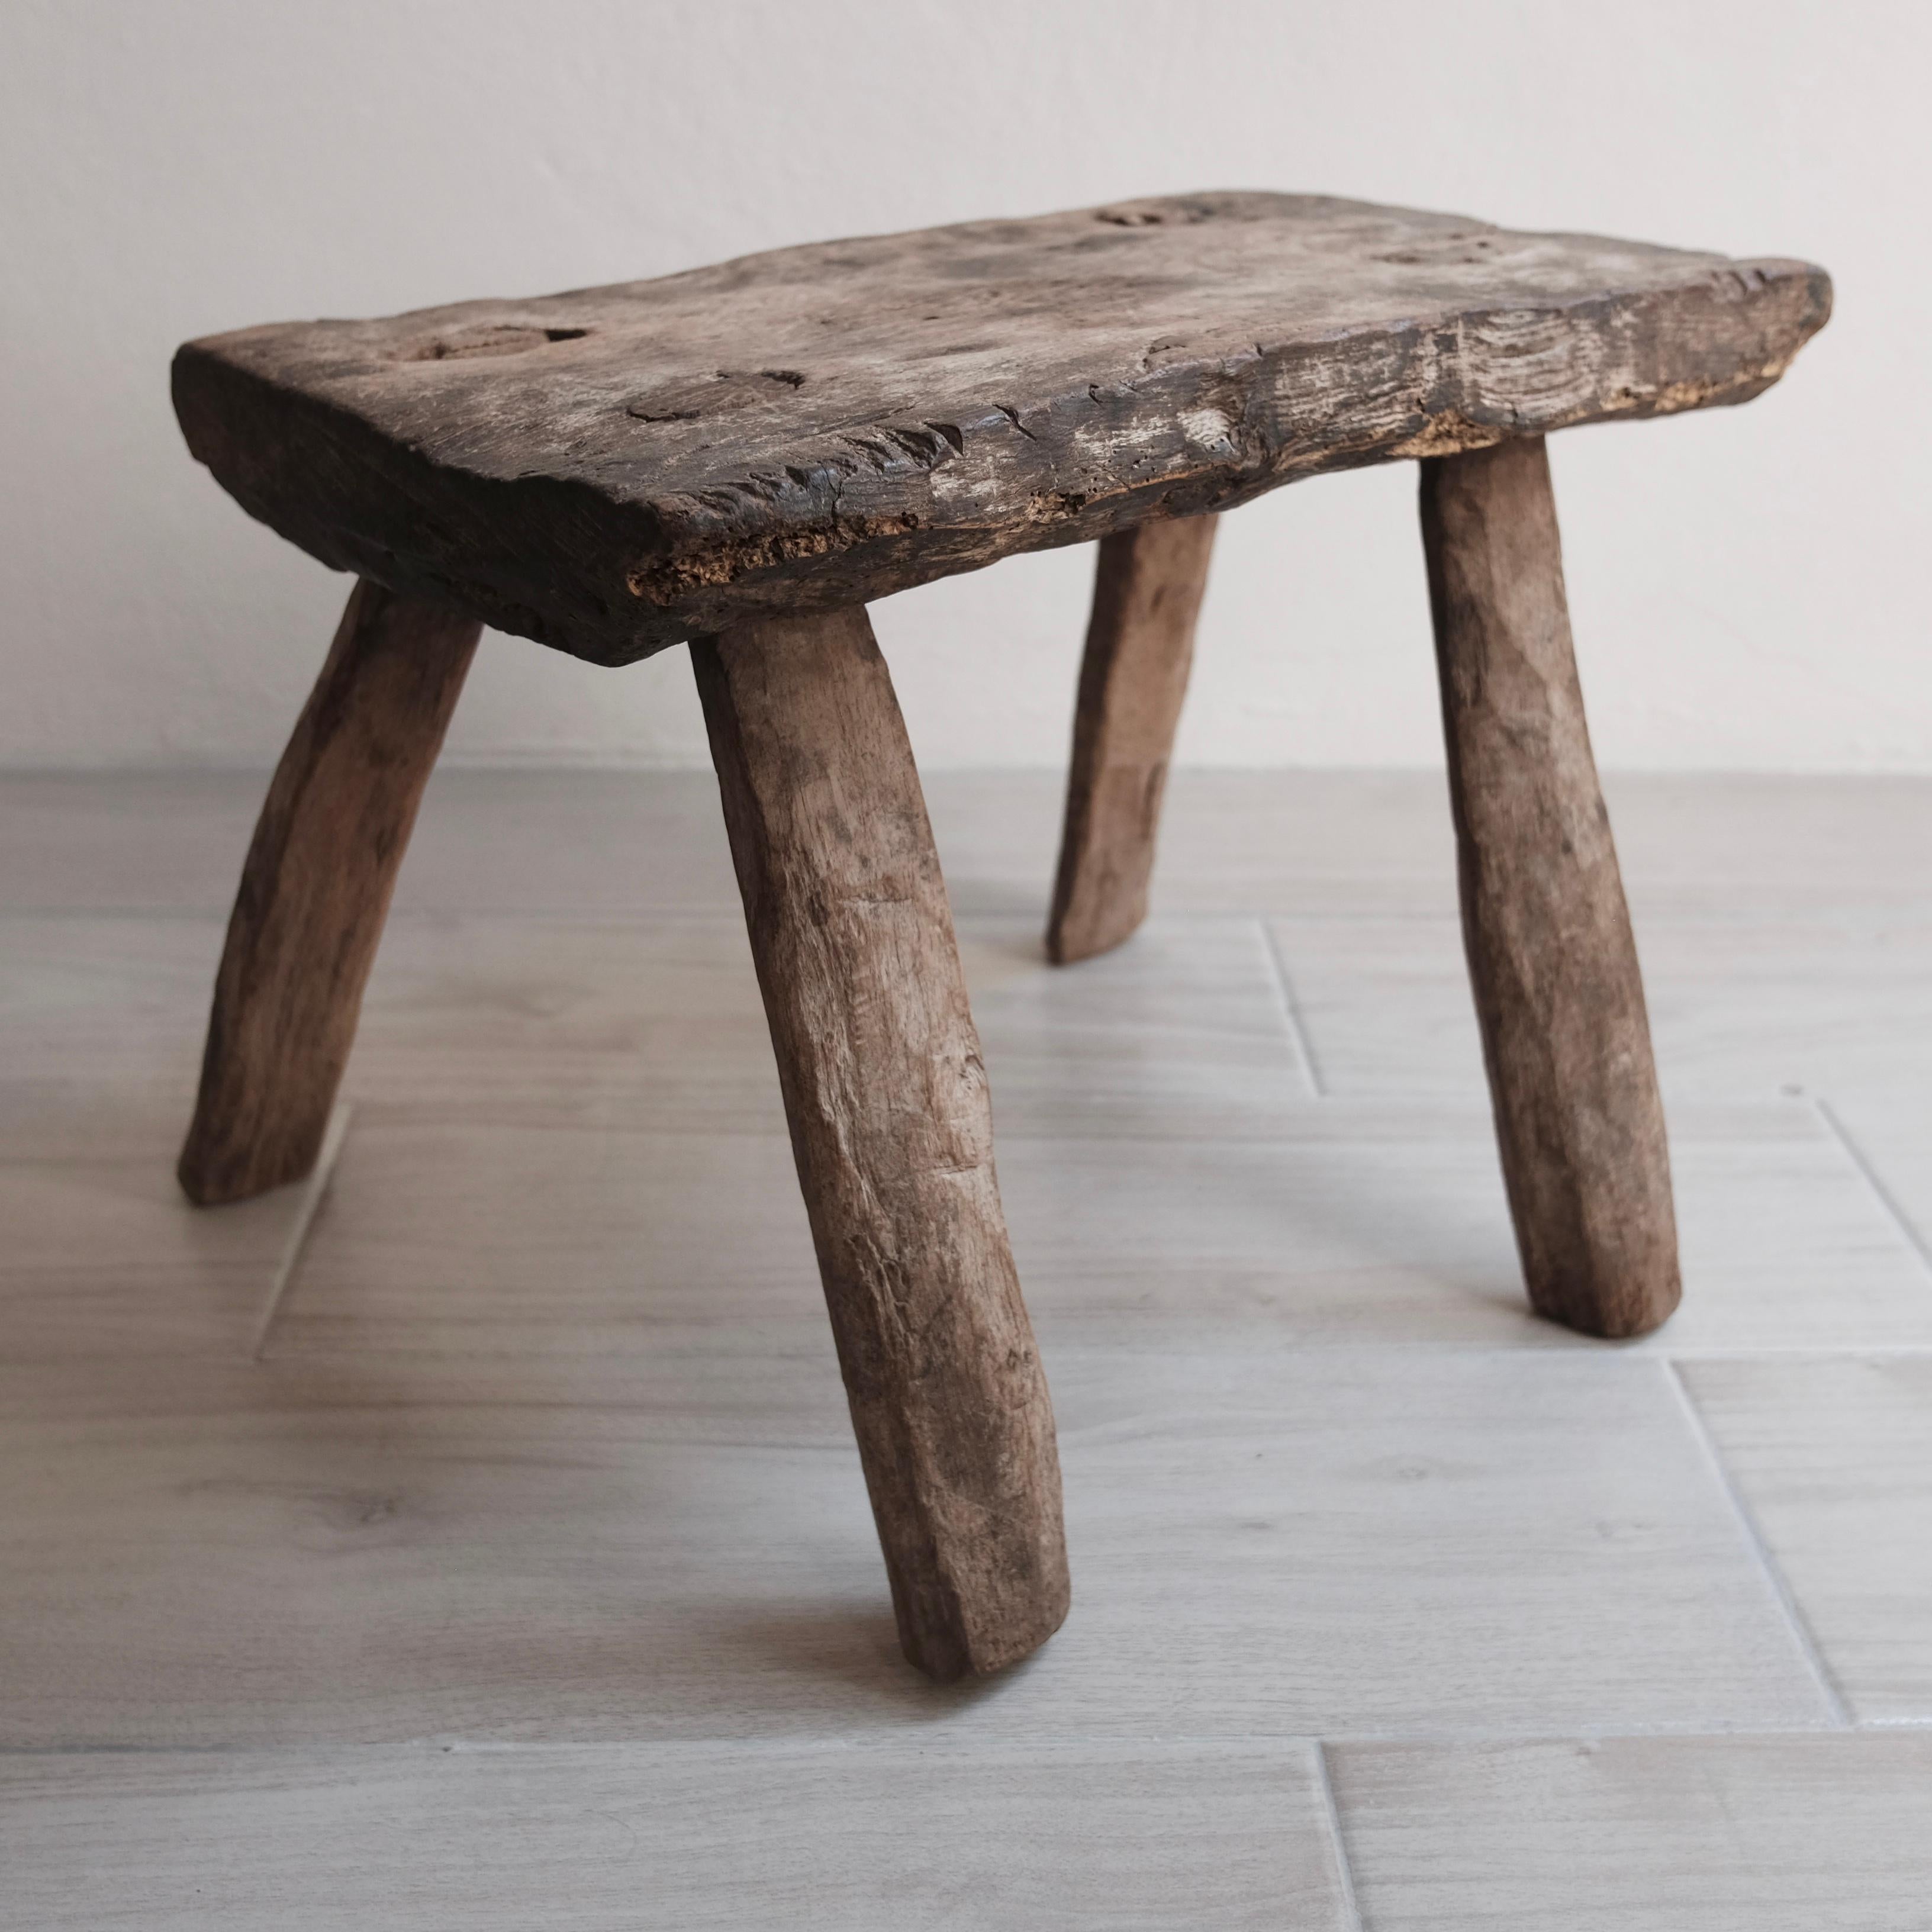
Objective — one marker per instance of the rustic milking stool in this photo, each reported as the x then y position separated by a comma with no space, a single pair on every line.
743,457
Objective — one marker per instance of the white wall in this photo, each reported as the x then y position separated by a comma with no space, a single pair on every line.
1749,585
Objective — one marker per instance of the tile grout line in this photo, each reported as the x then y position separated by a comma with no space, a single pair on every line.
1284,986
1067,1347
1352,1910
313,1190
1856,1156
216,912
1258,1747
1807,1641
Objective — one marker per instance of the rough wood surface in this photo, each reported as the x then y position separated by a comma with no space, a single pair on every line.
1565,1036
613,470
316,889
1147,587
885,1093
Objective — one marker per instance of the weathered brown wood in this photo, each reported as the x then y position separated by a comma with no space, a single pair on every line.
893,1133
316,890
614,469
1551,958
1147,587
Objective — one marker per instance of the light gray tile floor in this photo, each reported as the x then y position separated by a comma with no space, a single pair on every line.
1644,1835
1832,1456
526,1576
635,1838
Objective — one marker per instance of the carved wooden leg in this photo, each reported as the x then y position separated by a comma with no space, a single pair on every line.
893,1133
1140,642
1565,1032
315,891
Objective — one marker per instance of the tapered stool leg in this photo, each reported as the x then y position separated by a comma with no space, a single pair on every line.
893,1133
1140,643
316,890
1551,956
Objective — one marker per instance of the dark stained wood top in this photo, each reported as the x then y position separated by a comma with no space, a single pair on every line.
614,470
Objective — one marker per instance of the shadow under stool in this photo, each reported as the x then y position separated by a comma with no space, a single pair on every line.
743,457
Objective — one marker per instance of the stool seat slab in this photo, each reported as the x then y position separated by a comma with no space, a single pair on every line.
614,470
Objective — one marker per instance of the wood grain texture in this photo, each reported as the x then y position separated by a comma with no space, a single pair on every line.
885,1092
1640,1834
1369,1225
673,1545
1832,1455
1566,1038
536,843
316,890
1147,587
1384,1225
444,1534
674,1838
103,1257
613,470
659,1026
1744,1009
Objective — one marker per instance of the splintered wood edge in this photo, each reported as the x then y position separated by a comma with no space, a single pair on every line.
612,581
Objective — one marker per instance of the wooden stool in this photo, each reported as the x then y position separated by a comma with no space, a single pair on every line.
743,457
